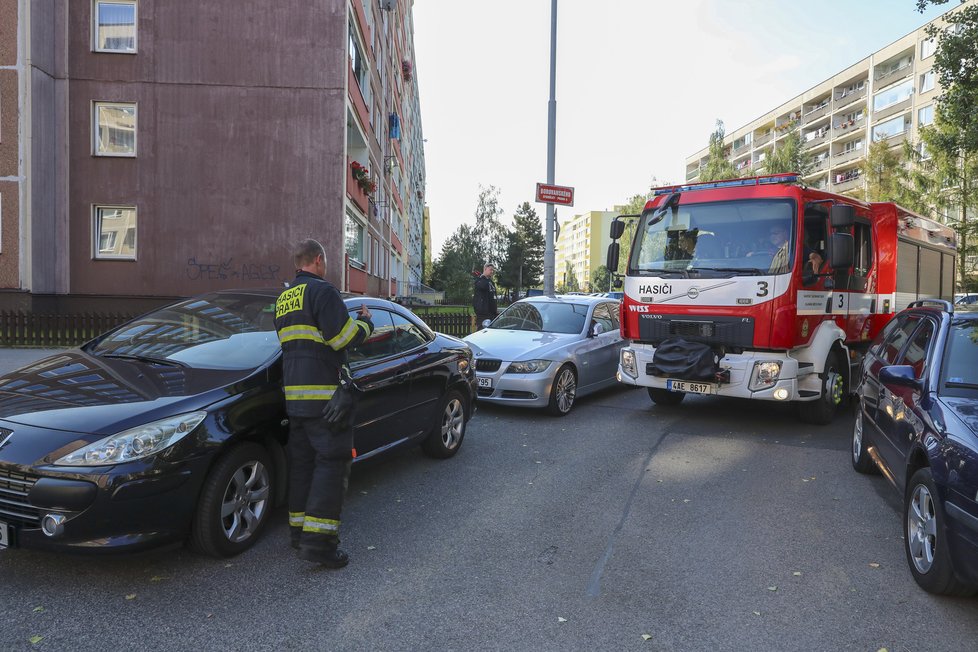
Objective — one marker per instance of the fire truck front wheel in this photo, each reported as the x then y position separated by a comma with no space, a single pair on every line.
822,410
665,397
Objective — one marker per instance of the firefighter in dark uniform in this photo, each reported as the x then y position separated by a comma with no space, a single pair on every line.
315,330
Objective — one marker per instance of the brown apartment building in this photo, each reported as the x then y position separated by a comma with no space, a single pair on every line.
151,149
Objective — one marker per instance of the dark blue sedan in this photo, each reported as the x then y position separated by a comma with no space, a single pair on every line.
917,423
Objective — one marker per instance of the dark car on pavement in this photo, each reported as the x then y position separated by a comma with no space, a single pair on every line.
173,426
917,422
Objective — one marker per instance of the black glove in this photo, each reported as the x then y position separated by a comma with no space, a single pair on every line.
339,410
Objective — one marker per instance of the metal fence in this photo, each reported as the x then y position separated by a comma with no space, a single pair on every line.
55,330
45,329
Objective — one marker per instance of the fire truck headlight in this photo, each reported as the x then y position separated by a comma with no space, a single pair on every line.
765,374
628,363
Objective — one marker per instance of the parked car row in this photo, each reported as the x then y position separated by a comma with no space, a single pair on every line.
172,426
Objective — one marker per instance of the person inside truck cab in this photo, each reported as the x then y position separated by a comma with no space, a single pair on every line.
776,247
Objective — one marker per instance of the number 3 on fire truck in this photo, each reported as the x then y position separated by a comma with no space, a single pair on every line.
840,303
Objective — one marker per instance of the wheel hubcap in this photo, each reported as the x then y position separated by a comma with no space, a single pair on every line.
452,424
857,437
566,390
922,528
245,501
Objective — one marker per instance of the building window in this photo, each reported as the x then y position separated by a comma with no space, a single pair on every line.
115,26
927,48
890,128
114,129
354,241
927,81
893,95
115,232
925,115
357,60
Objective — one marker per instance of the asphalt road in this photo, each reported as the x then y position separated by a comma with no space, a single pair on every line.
717,525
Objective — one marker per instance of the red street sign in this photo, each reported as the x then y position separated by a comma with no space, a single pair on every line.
547,194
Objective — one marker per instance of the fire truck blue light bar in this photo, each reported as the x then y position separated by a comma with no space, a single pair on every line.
730,183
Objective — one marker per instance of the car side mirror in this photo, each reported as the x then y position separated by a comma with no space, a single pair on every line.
596,329
900,375
486,322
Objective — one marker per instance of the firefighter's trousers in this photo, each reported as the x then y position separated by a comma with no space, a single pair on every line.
319,460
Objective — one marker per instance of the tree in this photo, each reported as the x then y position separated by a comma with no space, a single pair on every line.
789,155
522,265
489,233
882,169
717,166
570,283
452,271
634,206
600,279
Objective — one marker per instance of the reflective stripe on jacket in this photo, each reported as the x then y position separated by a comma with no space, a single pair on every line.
314,329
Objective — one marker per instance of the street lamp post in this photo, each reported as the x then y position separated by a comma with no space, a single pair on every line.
548,253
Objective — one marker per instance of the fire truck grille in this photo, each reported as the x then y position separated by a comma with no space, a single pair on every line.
734,332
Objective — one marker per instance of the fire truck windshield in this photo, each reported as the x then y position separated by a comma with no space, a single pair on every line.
752,237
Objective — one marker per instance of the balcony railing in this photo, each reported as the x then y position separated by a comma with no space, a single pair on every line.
692,174
849,184
816,114
892,110
845,157
890,77
761,140
817,140
849,98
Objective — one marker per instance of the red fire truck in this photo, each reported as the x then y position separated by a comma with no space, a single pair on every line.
763,288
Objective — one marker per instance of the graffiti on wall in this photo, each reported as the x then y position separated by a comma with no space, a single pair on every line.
229,270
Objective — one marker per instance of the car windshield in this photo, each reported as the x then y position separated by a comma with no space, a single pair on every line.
216,331
546,316
749,237
960,373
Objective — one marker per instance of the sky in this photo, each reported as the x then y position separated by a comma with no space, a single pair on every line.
640,85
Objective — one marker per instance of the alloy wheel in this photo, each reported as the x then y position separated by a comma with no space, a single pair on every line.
245,501
922,528
857,437
566,389
452,423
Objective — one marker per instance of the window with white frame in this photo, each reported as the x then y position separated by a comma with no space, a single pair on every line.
354,241
114,28
927,48
925,115
357,60
927,81
114,129
114,232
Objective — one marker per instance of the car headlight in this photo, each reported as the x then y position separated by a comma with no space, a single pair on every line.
528,367
135,443
628,363
765,374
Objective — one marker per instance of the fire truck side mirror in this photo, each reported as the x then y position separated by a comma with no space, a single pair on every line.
617,229
842,251
843,216
617,282
613,253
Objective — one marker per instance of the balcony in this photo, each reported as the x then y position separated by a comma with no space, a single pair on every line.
849,98
892,110
740,149
845,157
692,174
849,184
811,116
848,127
353,190
762,140
817,140
889,78
895,139
819,165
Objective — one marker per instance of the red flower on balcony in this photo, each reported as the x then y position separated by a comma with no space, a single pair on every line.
407,70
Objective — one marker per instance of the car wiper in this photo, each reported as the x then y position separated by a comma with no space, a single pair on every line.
735,270
960,385
145,358
664,272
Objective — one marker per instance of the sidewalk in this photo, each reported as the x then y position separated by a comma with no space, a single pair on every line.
13,358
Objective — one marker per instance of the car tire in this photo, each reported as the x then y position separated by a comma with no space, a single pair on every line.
925,539
665,397
563,392
822,410
861,461
446,435
235,502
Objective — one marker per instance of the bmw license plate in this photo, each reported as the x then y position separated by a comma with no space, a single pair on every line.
4,535
485,381
690,387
